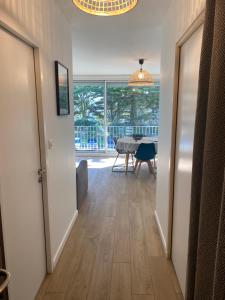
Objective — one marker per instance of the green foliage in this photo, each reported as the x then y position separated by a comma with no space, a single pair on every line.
125,105
132,106
88,104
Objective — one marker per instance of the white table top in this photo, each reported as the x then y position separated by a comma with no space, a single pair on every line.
128,144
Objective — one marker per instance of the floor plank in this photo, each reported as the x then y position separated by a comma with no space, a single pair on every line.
122,233
41,293
79,283
101,276
140,271
65,267
162,281
143,297
174,280
121,284
114,251
53,296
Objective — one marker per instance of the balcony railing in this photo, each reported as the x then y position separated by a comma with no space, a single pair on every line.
96,138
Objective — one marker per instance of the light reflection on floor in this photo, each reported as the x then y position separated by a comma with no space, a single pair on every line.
101,162
107,163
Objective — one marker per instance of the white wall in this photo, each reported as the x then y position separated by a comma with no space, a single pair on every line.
180,16
43,22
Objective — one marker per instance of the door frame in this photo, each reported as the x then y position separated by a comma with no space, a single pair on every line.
4,294
199,21
8,24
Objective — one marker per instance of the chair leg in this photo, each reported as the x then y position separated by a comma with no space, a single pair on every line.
155,167
136,164
126,162
151,169
139,166
115,162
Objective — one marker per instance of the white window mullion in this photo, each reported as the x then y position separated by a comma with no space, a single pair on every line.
105,117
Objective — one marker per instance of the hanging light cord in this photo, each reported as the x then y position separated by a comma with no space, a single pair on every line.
141,62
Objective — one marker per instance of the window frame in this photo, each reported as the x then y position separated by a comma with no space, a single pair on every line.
105,82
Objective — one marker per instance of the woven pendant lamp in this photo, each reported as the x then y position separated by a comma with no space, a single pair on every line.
141,77
105,7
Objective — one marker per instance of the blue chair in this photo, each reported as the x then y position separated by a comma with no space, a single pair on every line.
145,153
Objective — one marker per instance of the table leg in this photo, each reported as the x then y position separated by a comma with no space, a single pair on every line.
136,164
127,161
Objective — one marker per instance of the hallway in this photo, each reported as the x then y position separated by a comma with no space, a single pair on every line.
114,251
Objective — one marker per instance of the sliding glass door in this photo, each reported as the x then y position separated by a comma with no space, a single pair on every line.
132,110
105,110
89,115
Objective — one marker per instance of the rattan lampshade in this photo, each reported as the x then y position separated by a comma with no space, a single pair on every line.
105,7
141,77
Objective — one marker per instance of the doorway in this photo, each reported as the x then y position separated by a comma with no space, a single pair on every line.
20,184
189,62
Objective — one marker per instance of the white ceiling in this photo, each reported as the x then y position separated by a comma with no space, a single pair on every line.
112,45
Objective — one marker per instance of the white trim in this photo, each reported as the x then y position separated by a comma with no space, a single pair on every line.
105,116
197,23
8,23
156,77
160,232
63,242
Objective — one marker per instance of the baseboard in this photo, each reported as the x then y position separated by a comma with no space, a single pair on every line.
161,232
66,235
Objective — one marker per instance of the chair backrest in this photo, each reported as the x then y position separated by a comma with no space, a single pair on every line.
146,152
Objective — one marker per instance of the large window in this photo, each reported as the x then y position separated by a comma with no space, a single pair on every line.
104,110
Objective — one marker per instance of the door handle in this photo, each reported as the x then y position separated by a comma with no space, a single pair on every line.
41,173
5,283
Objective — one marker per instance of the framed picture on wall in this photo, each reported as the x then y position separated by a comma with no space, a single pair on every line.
62,89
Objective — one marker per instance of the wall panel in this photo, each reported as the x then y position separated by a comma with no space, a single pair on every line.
44,24
180,16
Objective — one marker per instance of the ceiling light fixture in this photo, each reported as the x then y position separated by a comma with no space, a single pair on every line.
141,77
105,7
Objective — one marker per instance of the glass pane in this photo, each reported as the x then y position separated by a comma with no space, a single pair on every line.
132,110
89,115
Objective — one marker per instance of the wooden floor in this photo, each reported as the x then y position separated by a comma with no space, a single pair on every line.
114,251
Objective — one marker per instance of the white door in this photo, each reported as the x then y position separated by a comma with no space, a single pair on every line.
20,192
188,89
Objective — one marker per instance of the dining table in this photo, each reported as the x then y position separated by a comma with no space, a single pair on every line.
129,146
